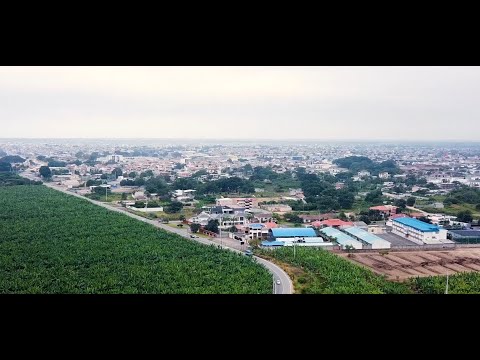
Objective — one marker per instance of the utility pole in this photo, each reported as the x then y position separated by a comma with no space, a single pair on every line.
446,287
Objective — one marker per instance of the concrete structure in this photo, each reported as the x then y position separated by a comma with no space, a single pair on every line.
419,232
386,210
341,238
370,240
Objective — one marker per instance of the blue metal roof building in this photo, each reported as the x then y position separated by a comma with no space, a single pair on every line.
371,239
273,243
255,226
417,224
341,238
292,232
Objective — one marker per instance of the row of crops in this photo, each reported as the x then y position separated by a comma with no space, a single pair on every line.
54,243
326,273
466,283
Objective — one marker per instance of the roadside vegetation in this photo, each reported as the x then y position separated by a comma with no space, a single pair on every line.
62,244
318,271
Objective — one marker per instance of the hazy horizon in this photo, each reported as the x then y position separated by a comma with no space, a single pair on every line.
329,104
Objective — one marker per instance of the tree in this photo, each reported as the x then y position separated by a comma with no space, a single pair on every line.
5,167
182,217
139,182
174,207
410,201
293,218
194,227
374,196
124,196
342,216
45,172
400,203
132,175
465,216
477,207
425,219
117,172
232,229
364,218
212,226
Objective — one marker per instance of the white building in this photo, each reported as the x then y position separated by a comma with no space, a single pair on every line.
418,231
384,175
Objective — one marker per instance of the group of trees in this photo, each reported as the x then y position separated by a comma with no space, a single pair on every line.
322,193
358,163
463,194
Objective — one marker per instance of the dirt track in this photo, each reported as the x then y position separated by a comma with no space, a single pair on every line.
403,265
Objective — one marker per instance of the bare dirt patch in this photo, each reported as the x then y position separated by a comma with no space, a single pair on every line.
404,265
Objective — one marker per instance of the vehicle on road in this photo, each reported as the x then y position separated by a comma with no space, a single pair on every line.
278,282
194,236
248,252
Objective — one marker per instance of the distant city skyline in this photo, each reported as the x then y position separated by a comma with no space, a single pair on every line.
241,103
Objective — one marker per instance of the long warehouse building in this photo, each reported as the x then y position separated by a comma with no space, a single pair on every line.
372,241
341,238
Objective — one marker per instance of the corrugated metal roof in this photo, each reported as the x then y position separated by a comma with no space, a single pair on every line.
273,243
417,224
364,235
292,232
341,238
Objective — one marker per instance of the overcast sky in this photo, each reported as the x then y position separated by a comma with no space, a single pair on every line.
325,103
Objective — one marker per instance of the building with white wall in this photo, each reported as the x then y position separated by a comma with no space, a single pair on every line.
418,231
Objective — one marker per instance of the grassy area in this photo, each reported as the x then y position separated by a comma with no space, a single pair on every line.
110,197
62,244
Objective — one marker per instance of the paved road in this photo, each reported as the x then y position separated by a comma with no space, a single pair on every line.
418,210
285,286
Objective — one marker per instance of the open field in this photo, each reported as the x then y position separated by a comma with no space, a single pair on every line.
409,264
55,243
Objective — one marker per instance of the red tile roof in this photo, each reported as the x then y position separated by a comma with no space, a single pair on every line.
332,222
270,225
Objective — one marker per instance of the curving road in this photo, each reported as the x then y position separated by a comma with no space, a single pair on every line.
285,285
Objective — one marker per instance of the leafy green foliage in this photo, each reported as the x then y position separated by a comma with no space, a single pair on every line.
5,167
410,201
330,274
464,194
212,226
425,219
194,227
174,207
61,244
45,172
12,159
293,218
357,163
8,179
56,163
461,283
465,216
374,197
